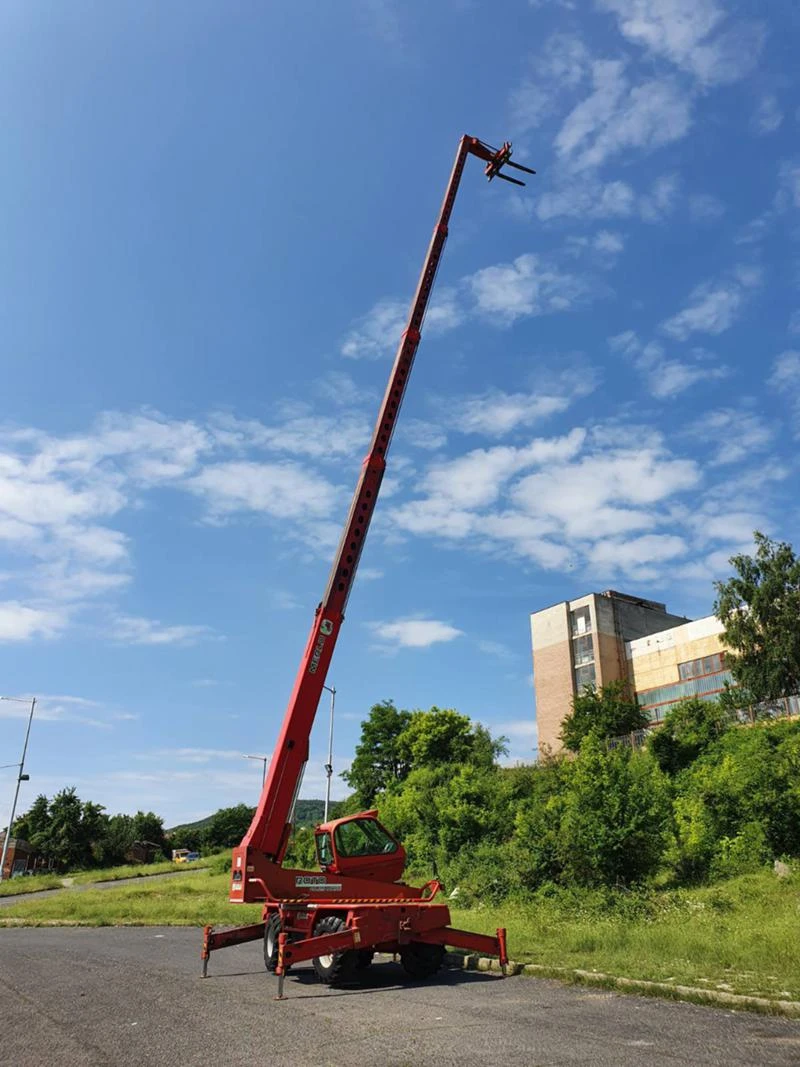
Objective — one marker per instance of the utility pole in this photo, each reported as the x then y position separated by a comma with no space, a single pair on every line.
21,777
265,760
329,764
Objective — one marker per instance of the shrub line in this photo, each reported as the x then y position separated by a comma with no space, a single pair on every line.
575,976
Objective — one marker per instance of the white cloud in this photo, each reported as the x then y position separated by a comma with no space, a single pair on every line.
134,630
339,388
445,312
785,378
555,501
414,633
420,433
496,413
312,435
788,195
685,33
637,553
587,199
193,755
734,435
70,709
282,490
659,202
560,66
528,286
617,116
377,333
703,207
61,581
786,199
608,241
666,377
602,494
476,479
714,306
19,622
496,648
767,116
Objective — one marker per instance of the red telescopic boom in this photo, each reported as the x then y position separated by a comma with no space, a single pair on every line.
271,825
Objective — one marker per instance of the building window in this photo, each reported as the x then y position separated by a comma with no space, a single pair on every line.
657,702
580,621
584,676
698,668
583,650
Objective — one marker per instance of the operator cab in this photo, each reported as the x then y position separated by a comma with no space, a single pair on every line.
358,845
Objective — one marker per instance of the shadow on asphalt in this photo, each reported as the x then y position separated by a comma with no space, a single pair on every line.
380,978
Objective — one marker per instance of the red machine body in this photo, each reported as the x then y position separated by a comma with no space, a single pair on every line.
355,904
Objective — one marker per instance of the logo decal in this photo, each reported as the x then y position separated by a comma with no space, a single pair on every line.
326,627
316,883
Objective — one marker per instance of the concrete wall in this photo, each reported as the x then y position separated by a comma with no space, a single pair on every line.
552,672
615,619
653,660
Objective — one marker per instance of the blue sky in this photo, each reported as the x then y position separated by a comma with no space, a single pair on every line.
214,217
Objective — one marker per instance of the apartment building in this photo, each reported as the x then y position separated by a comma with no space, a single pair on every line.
603,637
583,642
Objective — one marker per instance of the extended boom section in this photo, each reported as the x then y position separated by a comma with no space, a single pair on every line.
356,903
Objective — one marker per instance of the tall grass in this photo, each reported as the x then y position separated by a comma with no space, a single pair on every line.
739,935
34,884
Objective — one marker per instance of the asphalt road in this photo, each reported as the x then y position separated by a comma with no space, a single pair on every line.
133,996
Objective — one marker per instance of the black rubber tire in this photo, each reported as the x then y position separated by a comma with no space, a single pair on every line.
271,931
337,968
364,958
421,960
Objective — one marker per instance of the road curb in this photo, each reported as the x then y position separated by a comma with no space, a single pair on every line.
788,1008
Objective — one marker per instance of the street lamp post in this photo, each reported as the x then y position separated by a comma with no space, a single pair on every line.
329,764
21,777
265,761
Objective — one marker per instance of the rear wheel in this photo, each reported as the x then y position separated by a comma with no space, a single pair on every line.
271,931
337,967
421,960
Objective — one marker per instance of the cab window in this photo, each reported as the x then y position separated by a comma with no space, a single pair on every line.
324,850
363,837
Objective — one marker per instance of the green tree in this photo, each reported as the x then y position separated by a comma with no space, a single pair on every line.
35,821
759,608
228,826
607,712
615,817
739,802
73,830
689,729
443,735
378,763
191,837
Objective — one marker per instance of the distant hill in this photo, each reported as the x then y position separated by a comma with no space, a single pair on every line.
307,813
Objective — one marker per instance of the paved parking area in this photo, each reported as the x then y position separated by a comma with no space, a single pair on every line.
133,996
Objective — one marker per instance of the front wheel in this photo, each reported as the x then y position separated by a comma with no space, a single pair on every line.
271,932
337,967
421,960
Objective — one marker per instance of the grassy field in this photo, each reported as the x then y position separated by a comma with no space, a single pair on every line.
35,884
134,870
39,882
739,936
